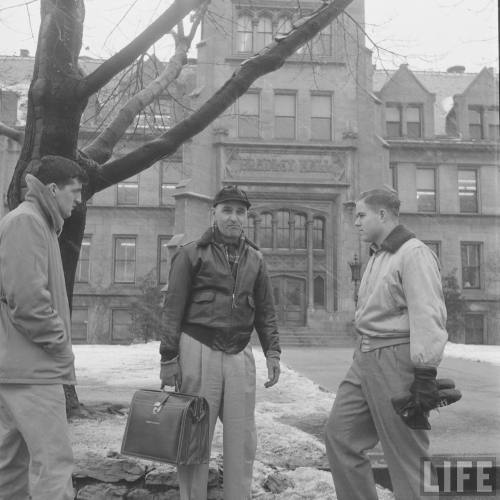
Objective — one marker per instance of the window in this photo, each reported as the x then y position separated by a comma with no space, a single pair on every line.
467,191
163,259
245,34
83,267
475,122
393,120
128,191
124,271
120,325
170,174
474,328
435,247
299,237
284,116
322,44
493,124
414,121
426,189
283,229
79,323
250,229
284,26
319,291
321,117
248,115
266,231
471,265
318,233
264,33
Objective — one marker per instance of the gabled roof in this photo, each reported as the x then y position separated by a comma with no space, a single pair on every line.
444,85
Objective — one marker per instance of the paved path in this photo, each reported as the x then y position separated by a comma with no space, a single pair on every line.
471,426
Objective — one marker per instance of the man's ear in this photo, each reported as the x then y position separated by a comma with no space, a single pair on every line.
383,214
52,188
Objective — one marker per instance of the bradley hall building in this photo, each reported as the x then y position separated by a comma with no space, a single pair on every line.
304,142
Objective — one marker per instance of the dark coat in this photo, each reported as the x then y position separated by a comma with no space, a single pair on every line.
214,305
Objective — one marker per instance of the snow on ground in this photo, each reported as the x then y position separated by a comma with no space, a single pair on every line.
480,353
112,373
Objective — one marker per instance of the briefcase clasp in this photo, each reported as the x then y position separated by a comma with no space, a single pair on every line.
158,406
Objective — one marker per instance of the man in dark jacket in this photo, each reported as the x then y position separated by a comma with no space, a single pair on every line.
218,291
36,357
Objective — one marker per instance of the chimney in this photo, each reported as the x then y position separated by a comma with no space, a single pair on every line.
24,53
456,69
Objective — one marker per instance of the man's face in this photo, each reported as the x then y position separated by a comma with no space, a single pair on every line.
230,218
369,222
67,197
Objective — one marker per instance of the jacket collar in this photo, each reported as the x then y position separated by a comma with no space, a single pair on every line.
209,237
394,240
39,194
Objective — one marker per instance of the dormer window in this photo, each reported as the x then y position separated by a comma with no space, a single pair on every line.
414,121
393,120
476,122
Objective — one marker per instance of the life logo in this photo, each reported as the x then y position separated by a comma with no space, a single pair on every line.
459,476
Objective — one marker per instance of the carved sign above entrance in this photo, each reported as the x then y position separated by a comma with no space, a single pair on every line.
285,165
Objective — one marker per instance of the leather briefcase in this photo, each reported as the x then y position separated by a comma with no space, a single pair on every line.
167,427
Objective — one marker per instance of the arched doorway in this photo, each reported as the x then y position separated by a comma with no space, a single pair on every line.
290,300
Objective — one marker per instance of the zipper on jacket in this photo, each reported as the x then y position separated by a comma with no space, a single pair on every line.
235,277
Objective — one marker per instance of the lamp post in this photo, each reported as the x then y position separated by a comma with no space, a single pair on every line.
355,266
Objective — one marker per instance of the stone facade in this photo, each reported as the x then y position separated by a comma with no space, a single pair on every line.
304,142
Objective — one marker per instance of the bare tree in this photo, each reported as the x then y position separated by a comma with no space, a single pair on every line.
59,93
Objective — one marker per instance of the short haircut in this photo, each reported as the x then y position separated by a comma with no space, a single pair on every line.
59,170
381,198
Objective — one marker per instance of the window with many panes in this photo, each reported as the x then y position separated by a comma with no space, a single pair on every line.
474,328
264,35
319,291
426,189
266,230
244,29
299,231
471,264
283,229
476,122
83,267
121,321
124,259
393,120
248,115
493,123
321,117
79,324
467,190
170,175
163,259
284,116
318,233
128,191
414,121
322,43
250,228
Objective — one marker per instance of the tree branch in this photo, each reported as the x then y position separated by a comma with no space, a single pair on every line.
101,148
267,60
12,133
107,70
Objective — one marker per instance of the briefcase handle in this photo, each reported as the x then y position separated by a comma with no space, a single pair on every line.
157,407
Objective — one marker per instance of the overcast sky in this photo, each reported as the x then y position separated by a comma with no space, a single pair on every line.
428,34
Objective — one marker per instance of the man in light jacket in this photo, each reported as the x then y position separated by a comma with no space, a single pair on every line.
400,321
36,357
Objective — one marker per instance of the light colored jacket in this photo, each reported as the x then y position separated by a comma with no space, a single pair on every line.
35,343
401,299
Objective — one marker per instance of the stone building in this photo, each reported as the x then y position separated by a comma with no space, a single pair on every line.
304,142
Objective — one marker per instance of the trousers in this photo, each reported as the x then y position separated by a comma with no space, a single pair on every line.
34,443
227,381
363,414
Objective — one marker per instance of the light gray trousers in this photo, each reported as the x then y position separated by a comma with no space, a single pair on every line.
34,443
362,414
227,381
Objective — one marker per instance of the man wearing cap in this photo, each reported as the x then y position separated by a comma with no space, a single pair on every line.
218,292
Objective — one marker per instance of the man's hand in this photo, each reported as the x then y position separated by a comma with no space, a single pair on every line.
273,369
425,389
170,373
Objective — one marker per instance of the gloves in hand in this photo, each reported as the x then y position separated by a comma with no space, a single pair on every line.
273,368
170,373
425,389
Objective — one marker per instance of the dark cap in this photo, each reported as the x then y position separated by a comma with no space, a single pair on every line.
231,193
